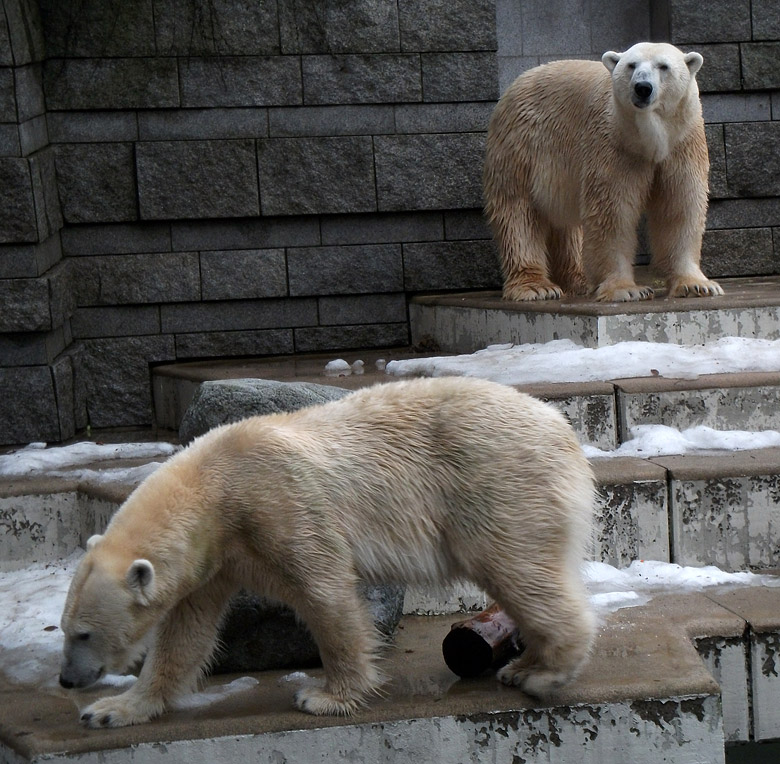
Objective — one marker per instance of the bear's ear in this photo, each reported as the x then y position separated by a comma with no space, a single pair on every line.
693,61
140,579
92,540
610,59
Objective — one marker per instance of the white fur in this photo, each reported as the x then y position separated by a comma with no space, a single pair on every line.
423,481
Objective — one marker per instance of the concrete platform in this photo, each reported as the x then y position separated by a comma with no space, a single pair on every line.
463,323
646,696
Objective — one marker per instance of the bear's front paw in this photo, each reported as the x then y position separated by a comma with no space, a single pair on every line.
315,701
117,711
695,288
528,291
623,293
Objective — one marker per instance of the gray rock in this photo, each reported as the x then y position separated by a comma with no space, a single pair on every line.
258,634
230,400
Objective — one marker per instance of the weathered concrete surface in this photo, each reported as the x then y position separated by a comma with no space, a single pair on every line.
724,508
645,697
463,323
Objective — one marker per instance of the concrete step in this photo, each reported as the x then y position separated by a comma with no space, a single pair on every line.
464,323
602,413
645,697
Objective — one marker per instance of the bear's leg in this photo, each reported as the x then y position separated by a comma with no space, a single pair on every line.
565,248
521,236
348,644
676,215
182,646
609,247
556,623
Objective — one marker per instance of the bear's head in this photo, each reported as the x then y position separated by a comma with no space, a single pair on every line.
109,610
652,75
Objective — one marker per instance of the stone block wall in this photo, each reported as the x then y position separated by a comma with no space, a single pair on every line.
184,179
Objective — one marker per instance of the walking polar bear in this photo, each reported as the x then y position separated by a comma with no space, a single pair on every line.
576,151
421,481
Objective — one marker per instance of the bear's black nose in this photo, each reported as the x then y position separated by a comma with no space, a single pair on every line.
66,683
644,90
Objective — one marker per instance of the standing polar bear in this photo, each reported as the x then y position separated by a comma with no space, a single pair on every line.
423,481
576,151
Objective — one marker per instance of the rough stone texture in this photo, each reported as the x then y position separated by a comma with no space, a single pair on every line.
197,179
739,252
17,223
760,65
217,403
353,26
423,172
454,25
359,309
111,83
28,406
321,175
120,280
243,274
344,270
240,81
724,21
239,343
753,157
96,182
348,79
459,77
765,668
19,261
115,321
451,265
721,69
730,522
318,338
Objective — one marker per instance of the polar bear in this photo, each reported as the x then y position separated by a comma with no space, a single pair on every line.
576,151
421,481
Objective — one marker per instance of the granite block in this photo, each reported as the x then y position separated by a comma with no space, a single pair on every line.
466,224
319,338
216,27
419,172
321,175
753,158
443,117
29,92
31,348
96,182
721,70
355,79
82,29
193,124
25,33
255,233
131,279
239,315
33,135
738,213
287,122
738,252
243,274
617,25
451,265
18,222
115,321
46,192
345,269
766,20
25,305
28,405
10,145
237,343
362,309
115,373
382,228
7,94
111,83
544,34
724,21
240,81
92,127
469,76
350,26
737,107
436,25
197,179
117,239
24,260
760,65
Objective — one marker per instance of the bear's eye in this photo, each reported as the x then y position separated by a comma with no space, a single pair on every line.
83,636
663,67
632,65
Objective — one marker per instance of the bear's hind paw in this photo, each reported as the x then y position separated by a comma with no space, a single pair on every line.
313,700
533,681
